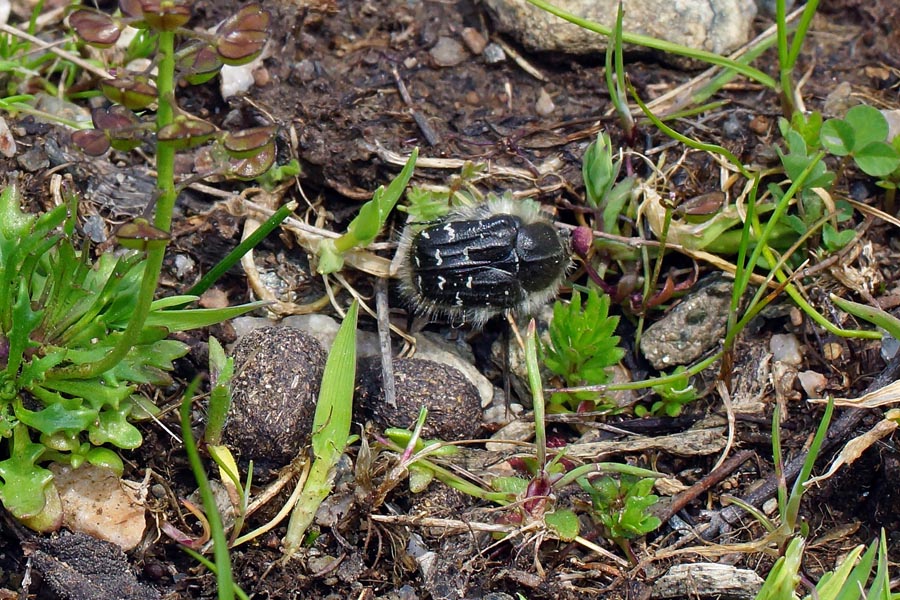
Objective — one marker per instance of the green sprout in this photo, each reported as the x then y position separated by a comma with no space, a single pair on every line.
673,395
369,221
603,189
583,346
620,505
331,430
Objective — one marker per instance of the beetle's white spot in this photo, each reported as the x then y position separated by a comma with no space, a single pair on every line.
441,282
418,261
451,231
469,282
438,260
419,282
425,235
458,301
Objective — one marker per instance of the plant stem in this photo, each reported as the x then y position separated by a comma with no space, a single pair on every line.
165,150
537,396
165,183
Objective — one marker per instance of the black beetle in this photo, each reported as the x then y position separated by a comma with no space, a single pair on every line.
484,260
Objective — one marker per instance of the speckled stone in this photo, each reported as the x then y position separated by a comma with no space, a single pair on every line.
278,371
454,406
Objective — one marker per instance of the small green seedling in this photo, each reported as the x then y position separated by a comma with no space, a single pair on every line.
369,221
583,347
673,395
603,189
620,505
331,430
847,582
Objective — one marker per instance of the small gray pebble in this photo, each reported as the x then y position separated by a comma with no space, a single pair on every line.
493,54
448,52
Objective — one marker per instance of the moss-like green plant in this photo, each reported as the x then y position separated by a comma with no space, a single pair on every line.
673,395
620,506
583,346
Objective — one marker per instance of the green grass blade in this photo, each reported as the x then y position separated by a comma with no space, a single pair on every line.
331,430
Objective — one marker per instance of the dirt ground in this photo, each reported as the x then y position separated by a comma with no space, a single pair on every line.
335,86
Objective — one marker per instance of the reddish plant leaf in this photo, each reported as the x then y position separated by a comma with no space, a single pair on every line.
92,142
121,126
247,142
140,234
253,167
131,9
95,28
165,15
199,63
116,117
242,36
134,93
187,132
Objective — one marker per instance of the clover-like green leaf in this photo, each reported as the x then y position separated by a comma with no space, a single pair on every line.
835,240
838,137
877,159
868,124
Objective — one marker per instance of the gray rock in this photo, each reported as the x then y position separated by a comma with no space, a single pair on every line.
707,580
448,52
696,325
718,26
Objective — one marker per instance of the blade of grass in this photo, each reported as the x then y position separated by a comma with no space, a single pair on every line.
245,246
220,543
331,430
